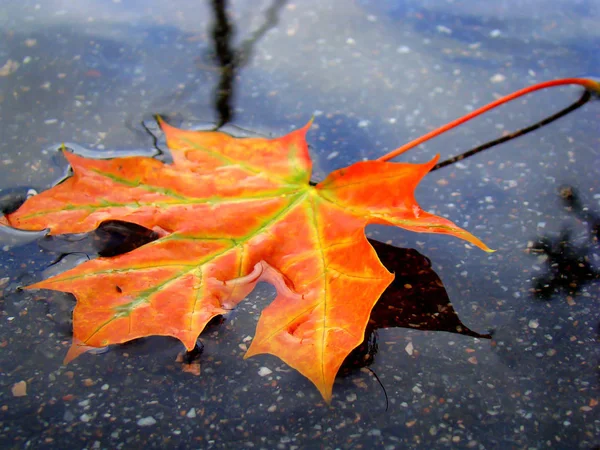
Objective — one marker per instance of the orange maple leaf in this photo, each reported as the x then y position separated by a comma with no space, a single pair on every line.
233,212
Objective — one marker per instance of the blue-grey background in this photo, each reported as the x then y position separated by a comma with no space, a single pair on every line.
375,74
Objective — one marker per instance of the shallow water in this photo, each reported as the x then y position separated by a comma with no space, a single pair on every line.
374,75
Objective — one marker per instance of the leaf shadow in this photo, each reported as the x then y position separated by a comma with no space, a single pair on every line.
416,299
569,266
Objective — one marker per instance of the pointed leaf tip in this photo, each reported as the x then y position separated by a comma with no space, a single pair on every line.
164,126
433,162
302,131
77,348
309,123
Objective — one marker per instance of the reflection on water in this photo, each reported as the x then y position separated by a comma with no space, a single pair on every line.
416,299
231,60
111,238
569,265
585,97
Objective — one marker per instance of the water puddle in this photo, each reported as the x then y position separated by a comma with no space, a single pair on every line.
473,350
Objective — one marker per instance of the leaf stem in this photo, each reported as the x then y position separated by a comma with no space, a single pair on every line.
585,97
589,84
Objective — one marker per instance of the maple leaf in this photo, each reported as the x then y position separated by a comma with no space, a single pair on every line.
232,212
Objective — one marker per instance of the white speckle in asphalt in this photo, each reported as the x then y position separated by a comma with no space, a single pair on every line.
146,421
264,371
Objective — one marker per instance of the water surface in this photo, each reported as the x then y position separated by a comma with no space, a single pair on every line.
374,75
